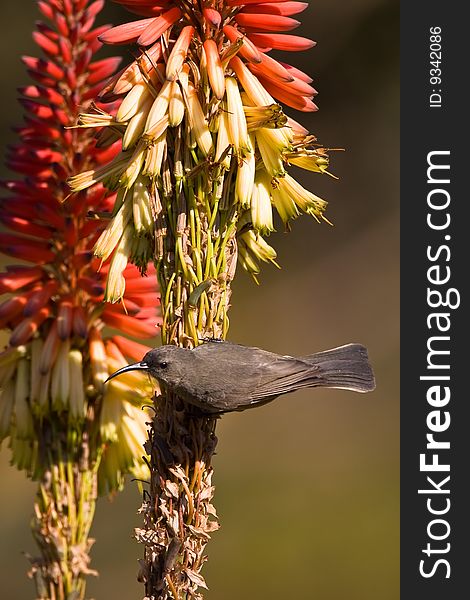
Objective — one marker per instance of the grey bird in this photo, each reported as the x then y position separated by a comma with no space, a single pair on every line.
220,376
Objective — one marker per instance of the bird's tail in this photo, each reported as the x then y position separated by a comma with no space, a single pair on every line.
346,367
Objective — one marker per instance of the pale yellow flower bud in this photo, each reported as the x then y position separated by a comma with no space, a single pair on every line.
134,166
248,262
111,415
179,52
271,144
77,406
141,206
133,434
236,121
285,206
110,476
261,209
305,200
123,391
222,154
154,157
159,108
199,126
176,107
245,179
99,366
252,248
157,130
259,247
108,174
113,232
96,119
135,127
133,102
115,282
310,163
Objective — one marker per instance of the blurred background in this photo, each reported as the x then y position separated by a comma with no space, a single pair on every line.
307,488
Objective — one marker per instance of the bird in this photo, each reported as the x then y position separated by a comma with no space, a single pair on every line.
220,376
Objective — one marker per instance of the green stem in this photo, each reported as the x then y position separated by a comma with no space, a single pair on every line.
195,273
64,509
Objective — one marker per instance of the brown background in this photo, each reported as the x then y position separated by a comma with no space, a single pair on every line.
307,487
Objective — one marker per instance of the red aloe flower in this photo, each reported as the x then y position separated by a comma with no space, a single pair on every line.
56,307
203,74
46,230
256,25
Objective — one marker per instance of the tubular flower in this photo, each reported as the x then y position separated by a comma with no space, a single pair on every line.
58,356
202,102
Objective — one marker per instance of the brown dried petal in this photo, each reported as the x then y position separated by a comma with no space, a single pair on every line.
196,578
172,488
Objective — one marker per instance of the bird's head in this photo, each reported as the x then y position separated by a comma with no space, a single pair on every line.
164,363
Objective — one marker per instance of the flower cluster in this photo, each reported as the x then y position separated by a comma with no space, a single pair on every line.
203,96
58,357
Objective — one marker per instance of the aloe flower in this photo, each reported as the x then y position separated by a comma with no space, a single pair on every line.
201,179
64,427
206,79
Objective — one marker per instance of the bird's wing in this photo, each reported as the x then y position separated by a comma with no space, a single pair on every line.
242,376
284,375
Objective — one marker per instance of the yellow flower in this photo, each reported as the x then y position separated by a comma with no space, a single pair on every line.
133,102
176,106
261,210
77,404
108,174
270,116
114,230
143,221
284,204
223,144
305,200
253,248
199,126
154,156
159,108
115,282
136,125
245,178
310,160
237,127
271,144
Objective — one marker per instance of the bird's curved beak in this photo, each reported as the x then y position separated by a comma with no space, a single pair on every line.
139,366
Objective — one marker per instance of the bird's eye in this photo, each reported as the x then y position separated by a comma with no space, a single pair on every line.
163,365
